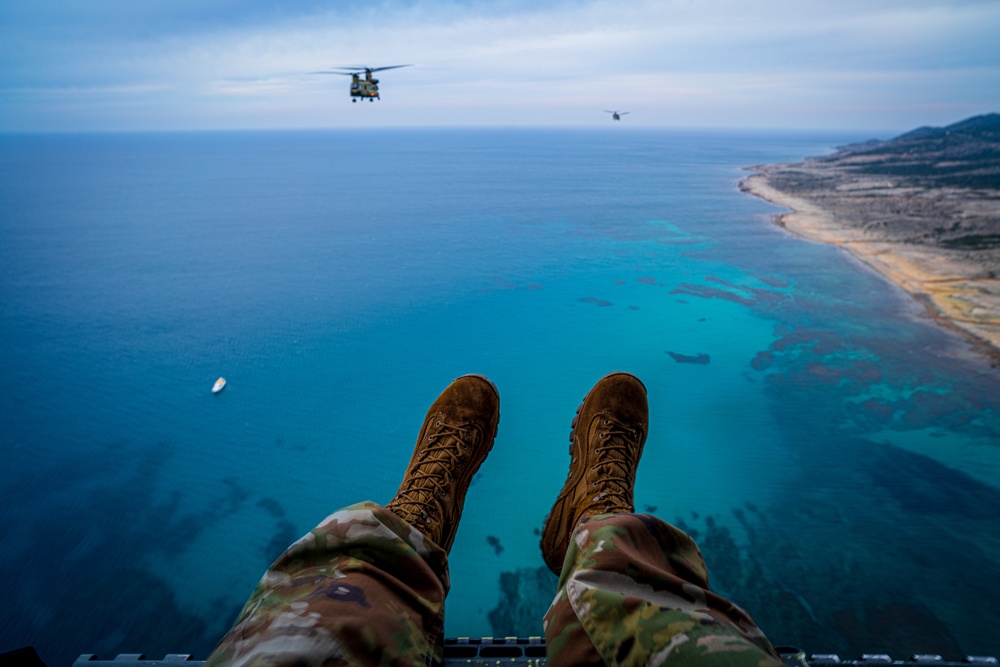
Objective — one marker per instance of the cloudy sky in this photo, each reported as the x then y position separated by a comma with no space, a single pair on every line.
202,64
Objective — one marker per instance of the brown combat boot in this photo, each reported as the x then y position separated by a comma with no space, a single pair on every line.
457,435
606,442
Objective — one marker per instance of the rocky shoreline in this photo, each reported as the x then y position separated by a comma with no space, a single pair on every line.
922,209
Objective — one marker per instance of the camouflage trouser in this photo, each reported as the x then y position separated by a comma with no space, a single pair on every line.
366,588
362,588
634,591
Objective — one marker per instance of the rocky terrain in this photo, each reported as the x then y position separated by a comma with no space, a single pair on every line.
922,209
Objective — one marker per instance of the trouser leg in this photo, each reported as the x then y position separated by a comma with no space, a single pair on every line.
362,588
634,590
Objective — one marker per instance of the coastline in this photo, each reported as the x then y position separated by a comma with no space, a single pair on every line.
958,293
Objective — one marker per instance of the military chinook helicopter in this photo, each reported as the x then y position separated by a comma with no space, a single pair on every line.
365,88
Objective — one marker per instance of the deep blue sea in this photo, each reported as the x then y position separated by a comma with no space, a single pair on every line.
835,453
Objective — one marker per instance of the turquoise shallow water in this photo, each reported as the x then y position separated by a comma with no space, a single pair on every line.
835,454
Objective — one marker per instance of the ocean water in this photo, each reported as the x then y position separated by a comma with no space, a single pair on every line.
835,452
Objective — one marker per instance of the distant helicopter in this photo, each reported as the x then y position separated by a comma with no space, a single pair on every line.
616,115
366,87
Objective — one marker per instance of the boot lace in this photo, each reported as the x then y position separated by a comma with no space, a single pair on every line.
433,476
614,470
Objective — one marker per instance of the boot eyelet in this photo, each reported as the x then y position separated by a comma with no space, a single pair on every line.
438,423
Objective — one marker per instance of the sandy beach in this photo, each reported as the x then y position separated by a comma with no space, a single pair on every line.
936,238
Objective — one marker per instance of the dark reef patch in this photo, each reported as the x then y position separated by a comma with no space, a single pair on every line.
525,596
825,360
706,292
281,539
272,507
923,486
917,533
594,300
944,410
494,543
649,280
700,358
86,583
774,281
762,361
878,410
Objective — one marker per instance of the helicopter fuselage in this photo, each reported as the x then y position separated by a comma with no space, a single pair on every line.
366,88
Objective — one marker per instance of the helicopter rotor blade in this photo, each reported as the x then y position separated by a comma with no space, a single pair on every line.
358,70
365,68
379,69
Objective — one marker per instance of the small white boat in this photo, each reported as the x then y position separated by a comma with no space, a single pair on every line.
219,385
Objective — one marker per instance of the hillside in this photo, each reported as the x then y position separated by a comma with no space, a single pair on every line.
923,209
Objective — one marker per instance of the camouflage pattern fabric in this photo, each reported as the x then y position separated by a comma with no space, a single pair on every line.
634,591
366,588
362,588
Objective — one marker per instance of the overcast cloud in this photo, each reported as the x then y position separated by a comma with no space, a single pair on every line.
191,64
